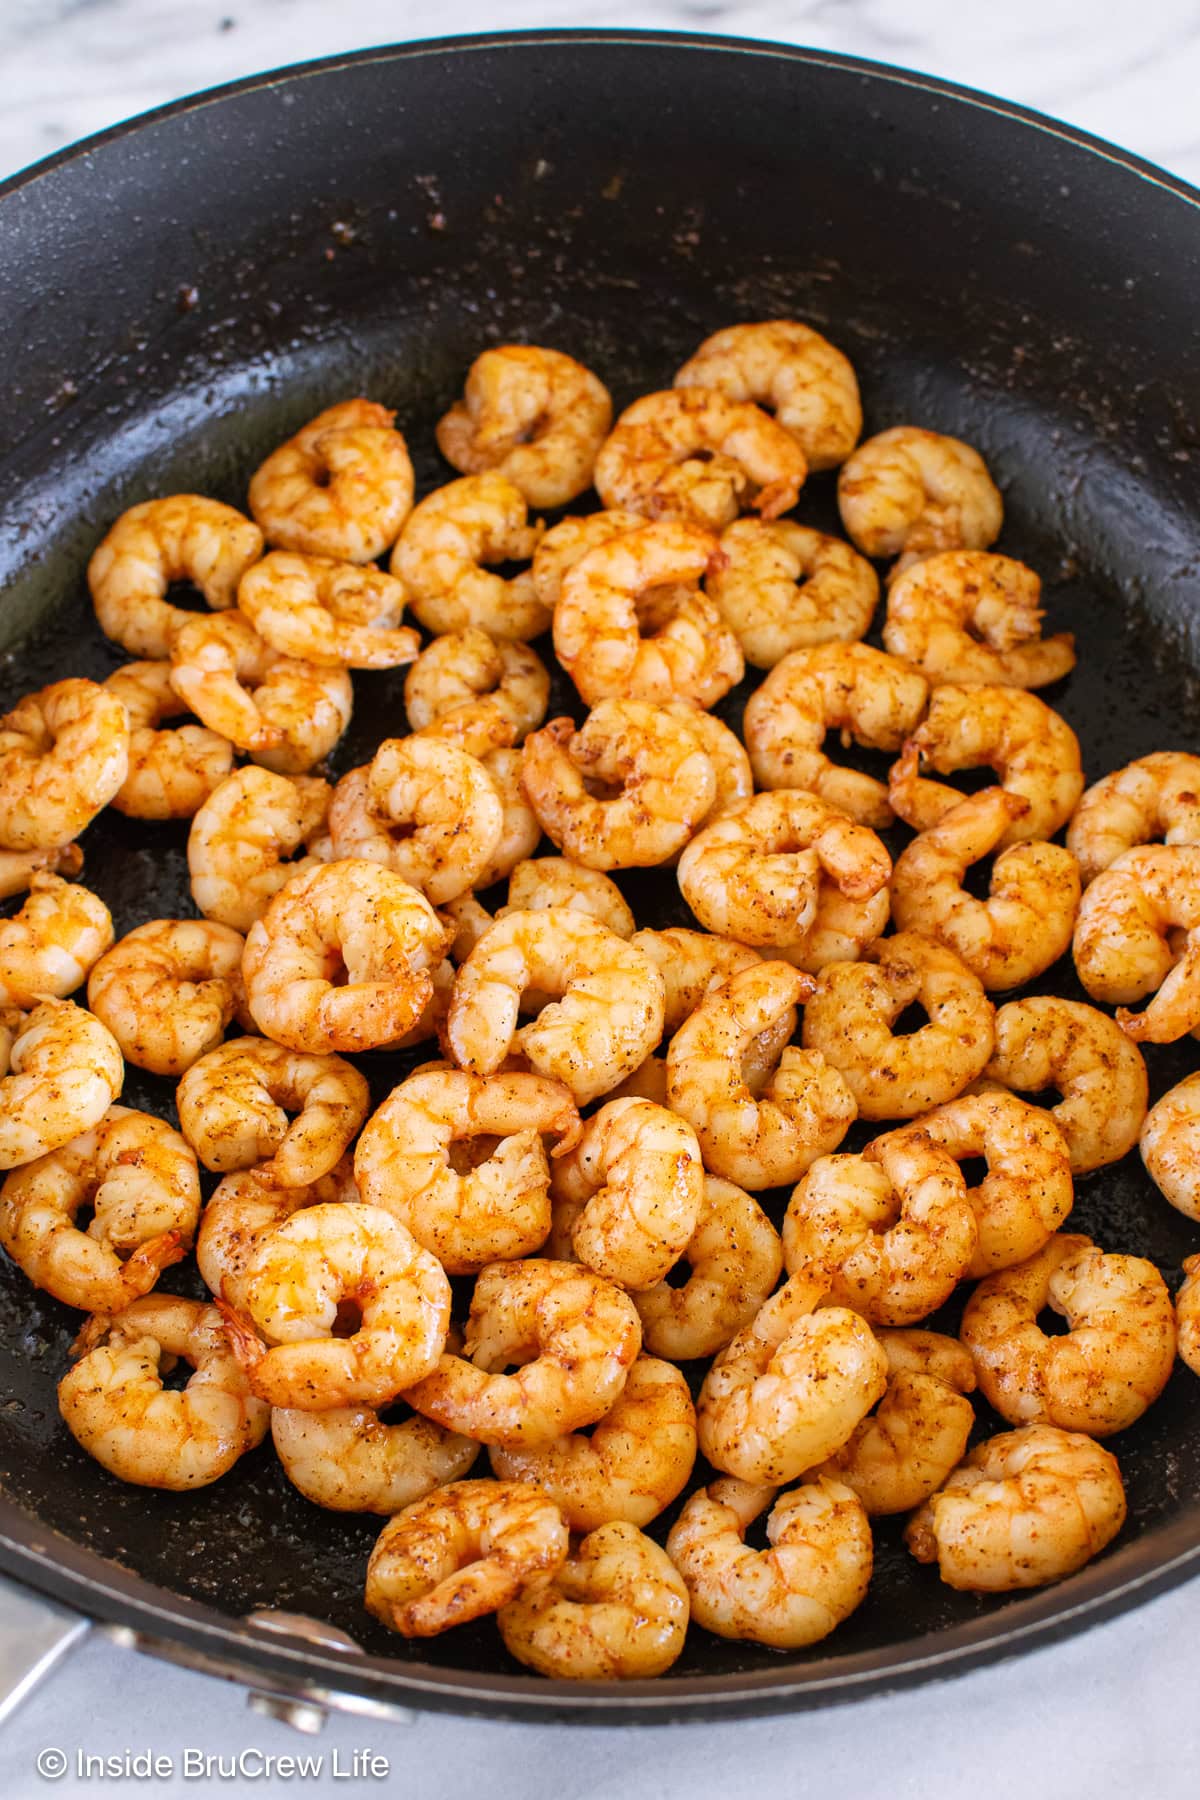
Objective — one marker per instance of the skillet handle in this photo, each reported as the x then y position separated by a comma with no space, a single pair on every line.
35,1633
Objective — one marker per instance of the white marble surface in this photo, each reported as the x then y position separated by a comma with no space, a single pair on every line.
1109,1713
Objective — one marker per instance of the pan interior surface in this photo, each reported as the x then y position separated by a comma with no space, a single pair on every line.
180,297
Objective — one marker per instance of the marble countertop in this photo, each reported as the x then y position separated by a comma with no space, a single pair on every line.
1110,1712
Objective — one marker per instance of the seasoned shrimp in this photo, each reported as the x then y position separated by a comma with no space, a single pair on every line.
694,964
792,371
724,750
966,616
650,762
911,493
1187,1314
870,698
1034,752
244,1206
348,1460
424,809
173,772
893,1230
1028,919
460,1553
1116,1356
804,1107
813,1576
791,1387
605,1020
1156,797
18,867
1170,1143
637,1177
676,648
574,1335
631,1465
466,668
460,1160
64,754
234,1103
570,540
536,416
1025,1508
1138,933
445,549
692,454
287,714
334,614
903,1451
48,947
1043,1042
341,487
114,1402
184,537
168,990
556,881
140,1179
851,1015
342,959
244,836
782,587
64,1072
299,1277
735,1259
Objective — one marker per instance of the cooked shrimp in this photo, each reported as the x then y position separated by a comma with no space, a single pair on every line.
637,1177
1028,919
659,779
1025,1508
570,540
691,454
605,1020
782,587
1034,752
694,964
64,1072
348,1460
1156,797
234,1103
966,616
735,1259
287,714
114,1403
64,754
534,415
631,1465
724,750
850,1016
804,1107
341,487
893,1230
1187,1314
556,881
460,1160
334,614
911,493
872,699
1170,1144
244,1206
168,990
171,773
422,808
466,668
813,1576
243,837
1043,1042
48,947
18,867
184,537
793,372
1138,933
444,551
140,1179
342,959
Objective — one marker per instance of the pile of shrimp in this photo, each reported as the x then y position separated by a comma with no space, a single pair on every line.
628,1145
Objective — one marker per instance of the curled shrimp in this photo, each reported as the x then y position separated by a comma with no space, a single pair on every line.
1138,933
184,537
171,772
64,1072
115,1403
333,614
569,541
1156,797
47,948
783,587
1170,1143
348,1460
234,1103
1025,1508
893,1230
461,1552
444,551
966,616
664,780
287,714
341,487
140,1179
911,493
692,454
465,668
812,1576
870,698
1027,921
245,1205
792,371
1187,1314
243,838
694,964
168,990
460,1160
1043,1042
604,1021
536,416
1115,1358
424,809
734,1257
802,1110
349,918
674,646
548,881
726,753
631,1465
850,1019
64,754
